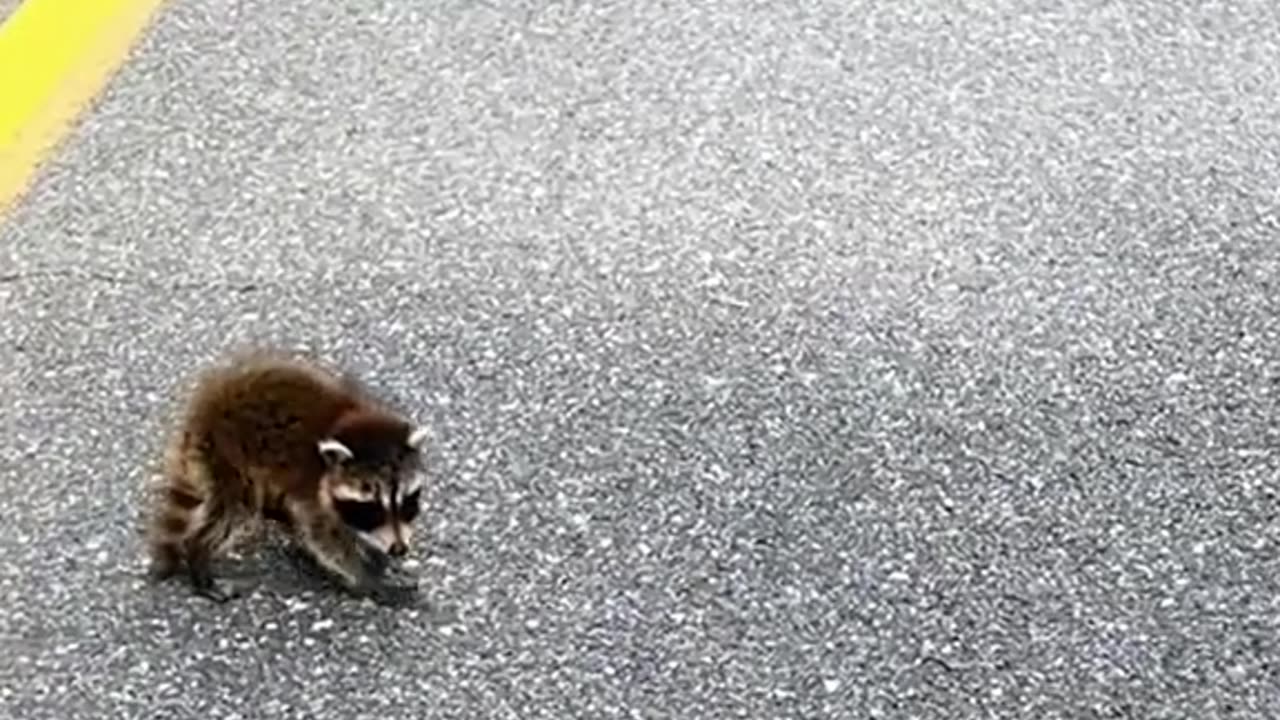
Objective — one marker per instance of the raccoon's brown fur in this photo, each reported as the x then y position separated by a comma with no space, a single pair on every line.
268,437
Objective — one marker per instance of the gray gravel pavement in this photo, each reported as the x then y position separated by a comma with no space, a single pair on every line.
784,362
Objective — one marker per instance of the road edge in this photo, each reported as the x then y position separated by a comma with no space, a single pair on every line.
61,55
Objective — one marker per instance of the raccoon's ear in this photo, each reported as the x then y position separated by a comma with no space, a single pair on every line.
334,452
418,436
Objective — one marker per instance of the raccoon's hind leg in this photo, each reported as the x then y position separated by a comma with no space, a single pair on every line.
192,522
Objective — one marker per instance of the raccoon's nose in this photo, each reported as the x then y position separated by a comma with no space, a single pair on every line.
398,549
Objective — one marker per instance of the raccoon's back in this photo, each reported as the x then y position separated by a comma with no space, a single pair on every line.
266,413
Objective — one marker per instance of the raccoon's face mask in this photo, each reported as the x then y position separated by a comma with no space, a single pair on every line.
378,500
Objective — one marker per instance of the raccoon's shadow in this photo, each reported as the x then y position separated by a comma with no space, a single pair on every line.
281,567
272,567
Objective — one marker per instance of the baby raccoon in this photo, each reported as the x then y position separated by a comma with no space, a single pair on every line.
270,438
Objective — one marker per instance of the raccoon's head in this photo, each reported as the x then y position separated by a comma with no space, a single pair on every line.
373,479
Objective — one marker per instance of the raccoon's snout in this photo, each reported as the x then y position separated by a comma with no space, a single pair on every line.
398,549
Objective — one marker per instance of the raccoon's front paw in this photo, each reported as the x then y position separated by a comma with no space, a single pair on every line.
394,587
374,562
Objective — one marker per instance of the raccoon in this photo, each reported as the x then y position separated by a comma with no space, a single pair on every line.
275,439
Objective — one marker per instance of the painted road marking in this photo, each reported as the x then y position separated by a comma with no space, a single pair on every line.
55,57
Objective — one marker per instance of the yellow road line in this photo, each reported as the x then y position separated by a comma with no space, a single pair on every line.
55,57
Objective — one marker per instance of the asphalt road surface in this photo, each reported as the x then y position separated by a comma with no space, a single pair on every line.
842,360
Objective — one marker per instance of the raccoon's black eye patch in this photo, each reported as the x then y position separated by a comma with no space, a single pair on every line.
411,505
363,516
